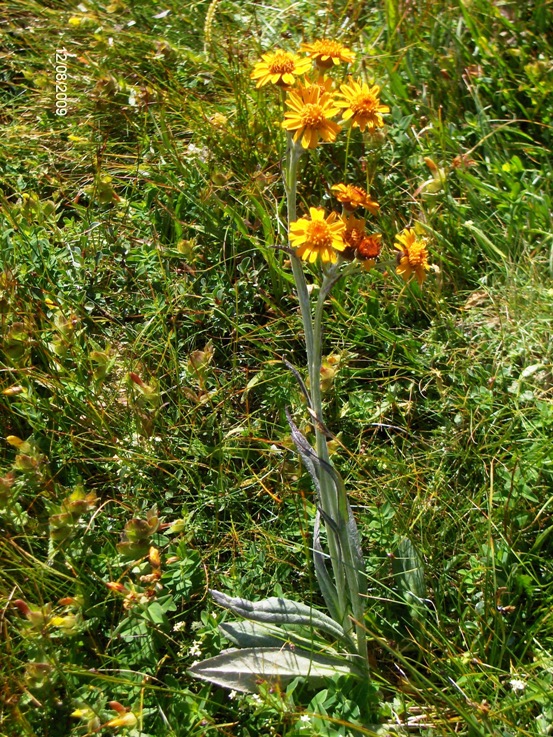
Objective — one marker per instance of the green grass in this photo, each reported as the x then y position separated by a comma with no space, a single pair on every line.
139,229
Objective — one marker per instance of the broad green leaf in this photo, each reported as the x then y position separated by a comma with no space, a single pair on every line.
154,613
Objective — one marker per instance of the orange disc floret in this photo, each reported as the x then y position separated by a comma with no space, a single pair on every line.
317,237
352,197
366,248
412,255
309,117
369,250
354,232
361,105
279,67
328,53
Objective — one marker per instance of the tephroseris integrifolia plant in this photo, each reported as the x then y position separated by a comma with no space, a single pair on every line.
277,638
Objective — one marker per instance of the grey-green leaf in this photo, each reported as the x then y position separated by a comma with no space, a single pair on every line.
244,669
326,584
276,610
253,634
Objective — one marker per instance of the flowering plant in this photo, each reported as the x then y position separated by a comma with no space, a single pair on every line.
279,639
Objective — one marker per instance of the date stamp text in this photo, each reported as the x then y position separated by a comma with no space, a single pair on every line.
60,67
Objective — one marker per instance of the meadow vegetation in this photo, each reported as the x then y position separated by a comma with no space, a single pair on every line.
146,307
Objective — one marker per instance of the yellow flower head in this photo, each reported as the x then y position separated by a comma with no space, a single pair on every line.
352,197
279,67
327,53
361,105
309,116
413,255
316,237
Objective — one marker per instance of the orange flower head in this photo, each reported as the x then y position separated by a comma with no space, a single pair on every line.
369,250
279,67
309,116
361,105
327,53
316,237
366,248
352,236
352,197
413,255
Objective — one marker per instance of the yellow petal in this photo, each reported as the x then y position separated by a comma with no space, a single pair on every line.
15,441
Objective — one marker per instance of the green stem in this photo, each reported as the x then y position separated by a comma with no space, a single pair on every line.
329,499
333,497
293,153
313,349
347,155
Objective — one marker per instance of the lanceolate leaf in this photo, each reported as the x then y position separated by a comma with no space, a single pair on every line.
299,379
358,561
307,454
246,633
244,669
253,634
280,611
326,584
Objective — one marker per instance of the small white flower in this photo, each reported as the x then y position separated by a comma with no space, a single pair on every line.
305,718
517,685
257,698
195,649
179,626
199,152
232,694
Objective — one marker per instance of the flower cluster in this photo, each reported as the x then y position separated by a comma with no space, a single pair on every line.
312,104
358,244
330,237
282,67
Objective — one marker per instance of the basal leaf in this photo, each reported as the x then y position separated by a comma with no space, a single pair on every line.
244,669
276,610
